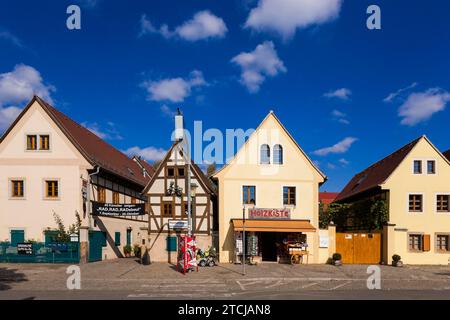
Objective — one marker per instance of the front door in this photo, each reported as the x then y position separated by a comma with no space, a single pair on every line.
269,246
96,241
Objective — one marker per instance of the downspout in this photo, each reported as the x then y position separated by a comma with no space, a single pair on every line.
89,196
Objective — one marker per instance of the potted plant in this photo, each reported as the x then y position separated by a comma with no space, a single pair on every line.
137,251
396,261
337,259
127,251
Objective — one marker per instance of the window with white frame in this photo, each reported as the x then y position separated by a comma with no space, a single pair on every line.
442,203
415,203
417,167
431,167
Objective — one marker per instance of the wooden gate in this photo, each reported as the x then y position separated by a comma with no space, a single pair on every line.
359,247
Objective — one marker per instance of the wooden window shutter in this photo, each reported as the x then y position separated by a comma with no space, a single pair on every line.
426,242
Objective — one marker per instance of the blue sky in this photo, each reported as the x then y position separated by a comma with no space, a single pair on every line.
348,95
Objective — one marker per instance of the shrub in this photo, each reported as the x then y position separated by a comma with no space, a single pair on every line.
396,258
137,250
337,257
127,249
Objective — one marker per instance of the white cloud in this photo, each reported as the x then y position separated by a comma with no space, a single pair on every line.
203,25
166,110
393,95
340,117
340,147
7,116
173,89
8,36
286,16
257,65
108,133
342,93
18,87
420,106
331,166
344,162
149,153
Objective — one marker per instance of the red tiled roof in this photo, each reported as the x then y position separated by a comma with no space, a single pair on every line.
376,174
447,154
94,149
327,197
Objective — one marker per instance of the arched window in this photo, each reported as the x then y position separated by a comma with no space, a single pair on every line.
278,154
265,154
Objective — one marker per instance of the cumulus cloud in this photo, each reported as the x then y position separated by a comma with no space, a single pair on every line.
149,153
173,89
342,93
257,65
16,88
340,147
421,106
395,94
284,17
204,25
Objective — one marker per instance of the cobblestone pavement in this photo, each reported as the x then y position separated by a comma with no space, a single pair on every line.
127,279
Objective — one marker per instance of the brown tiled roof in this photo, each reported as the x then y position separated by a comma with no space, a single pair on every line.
327,197
447,154
95,150
376,174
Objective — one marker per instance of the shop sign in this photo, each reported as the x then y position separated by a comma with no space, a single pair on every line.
25,248
324,241
178,224
117,210
272,214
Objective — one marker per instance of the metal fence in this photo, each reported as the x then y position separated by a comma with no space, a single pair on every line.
68,252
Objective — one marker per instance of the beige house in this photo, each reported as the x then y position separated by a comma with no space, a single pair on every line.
168,210
50,165
414,181
273,183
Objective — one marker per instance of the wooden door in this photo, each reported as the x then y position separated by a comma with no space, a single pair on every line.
359,247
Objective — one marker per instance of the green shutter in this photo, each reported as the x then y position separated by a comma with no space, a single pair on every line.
103,239
117,238
171,244
17,236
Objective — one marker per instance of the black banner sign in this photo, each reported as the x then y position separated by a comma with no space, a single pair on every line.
25,248
117,210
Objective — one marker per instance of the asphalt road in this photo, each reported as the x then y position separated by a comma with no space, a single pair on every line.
126,279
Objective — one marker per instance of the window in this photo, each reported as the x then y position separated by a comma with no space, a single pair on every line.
417,166
249,194
442,201
45,142
180,172
431,167
31,142
171,172
278,154
289,196
117,238
415,242
101,194
17,188
442,242
133,200
265,154
116,198
51,189
415,203
167,209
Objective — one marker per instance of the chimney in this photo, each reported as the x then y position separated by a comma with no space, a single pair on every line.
179,130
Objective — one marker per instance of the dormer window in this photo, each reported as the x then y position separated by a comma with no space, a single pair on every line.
278,154
265,154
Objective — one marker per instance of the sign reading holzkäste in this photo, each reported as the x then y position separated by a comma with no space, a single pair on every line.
275,214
